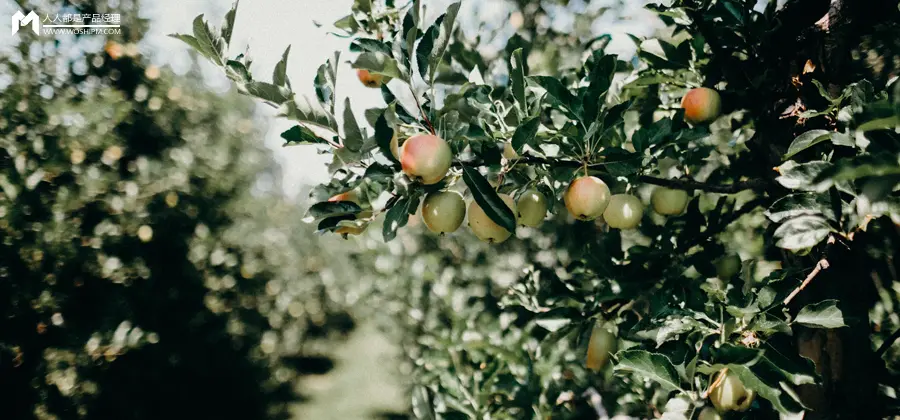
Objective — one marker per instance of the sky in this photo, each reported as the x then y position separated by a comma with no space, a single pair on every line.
269,26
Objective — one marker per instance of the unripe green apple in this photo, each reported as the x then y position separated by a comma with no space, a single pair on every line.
485,228
678,405
443,211
701,105
509,152
587,197
372,80
709,413
731,395
669,202
728,266
425,158
532,208
602,343
623,212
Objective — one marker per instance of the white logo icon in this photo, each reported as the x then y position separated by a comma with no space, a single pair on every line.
20,20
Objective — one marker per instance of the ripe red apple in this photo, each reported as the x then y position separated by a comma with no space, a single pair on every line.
701,105
372,80
425,158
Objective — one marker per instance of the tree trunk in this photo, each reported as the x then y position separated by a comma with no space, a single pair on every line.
844,357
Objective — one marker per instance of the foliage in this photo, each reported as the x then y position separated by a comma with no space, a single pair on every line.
130,285
793,101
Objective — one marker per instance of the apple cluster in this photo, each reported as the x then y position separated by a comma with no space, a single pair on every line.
426,158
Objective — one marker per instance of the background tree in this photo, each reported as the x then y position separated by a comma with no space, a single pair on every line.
807,88
129,285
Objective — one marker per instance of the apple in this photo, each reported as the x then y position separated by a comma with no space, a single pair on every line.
587,197
701,105
532,208
623,212
425,158
443,211
484,227
669,202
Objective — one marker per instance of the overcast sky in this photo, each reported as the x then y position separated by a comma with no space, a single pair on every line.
268,26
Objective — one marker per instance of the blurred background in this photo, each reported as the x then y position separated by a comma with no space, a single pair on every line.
153,261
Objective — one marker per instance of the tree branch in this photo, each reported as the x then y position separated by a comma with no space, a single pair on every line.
887,344
688,184
678,184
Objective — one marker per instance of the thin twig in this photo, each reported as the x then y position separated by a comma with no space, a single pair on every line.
887,344
821,265
422,111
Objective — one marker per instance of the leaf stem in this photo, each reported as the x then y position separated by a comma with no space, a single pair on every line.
421,111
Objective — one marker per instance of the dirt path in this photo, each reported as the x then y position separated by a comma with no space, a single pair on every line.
364,384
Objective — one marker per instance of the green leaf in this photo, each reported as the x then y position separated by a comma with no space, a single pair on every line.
397,217
526,134
383,136
802,232
426,45
299,134
483,194
824,314
279,75
237,71
304,111
378,63
434,43
798,204
768,324
191,41
228,24
266,91
559,95
211,45
801,176
517,79
651,135
370,45
661,54
653,366
353,137
887,123
324,86
347,23
807,140
600,79
620,162
327,209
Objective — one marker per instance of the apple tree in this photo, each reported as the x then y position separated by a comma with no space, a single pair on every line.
759,281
